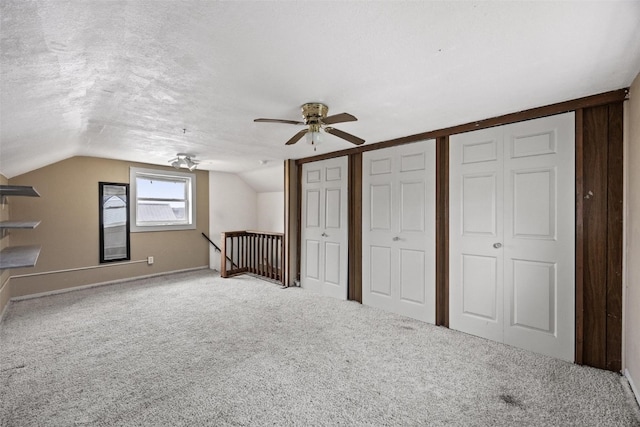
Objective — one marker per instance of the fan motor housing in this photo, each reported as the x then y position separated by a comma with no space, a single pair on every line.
313,112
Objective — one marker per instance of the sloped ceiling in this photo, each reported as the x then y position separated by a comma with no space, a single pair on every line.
265,179
142,80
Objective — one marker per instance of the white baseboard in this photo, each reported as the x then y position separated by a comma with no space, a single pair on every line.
111,282
635,390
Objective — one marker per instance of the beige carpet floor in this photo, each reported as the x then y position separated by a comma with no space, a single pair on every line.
193,349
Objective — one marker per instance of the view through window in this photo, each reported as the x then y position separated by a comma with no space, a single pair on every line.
163,200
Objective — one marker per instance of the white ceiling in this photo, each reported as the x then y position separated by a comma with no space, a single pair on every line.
122,79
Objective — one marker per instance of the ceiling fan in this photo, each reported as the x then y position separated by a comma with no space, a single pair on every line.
184,160
314,116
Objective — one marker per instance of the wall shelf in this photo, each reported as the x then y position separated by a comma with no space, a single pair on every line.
18,190
19,256
5,226
18,224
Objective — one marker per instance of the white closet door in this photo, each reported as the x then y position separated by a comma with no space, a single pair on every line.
475,221
512,234
324,232
399,230
539,235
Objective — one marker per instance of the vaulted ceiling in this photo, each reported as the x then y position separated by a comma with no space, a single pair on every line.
142,80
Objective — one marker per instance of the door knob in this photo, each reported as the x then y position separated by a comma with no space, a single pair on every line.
324,235
497,245
395,239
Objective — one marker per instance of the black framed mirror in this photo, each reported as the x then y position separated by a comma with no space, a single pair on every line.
114,222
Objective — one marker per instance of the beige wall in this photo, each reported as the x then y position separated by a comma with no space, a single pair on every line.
632,296
69,235
5,290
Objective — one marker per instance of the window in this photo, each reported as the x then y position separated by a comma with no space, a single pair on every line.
114,222
164,200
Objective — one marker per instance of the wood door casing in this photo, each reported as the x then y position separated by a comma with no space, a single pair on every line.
442,231
599,211
355,228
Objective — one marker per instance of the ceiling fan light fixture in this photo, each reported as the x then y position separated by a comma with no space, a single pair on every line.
184,160
314,137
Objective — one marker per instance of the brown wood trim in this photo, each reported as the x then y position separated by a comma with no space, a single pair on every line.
533,113
289,216
442,231
223,256
355,227
595,137
299,225
614,237
579,338
244,232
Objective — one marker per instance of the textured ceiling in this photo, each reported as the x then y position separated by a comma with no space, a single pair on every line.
122,79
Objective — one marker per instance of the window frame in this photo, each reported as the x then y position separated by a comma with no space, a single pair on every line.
165,175
102,250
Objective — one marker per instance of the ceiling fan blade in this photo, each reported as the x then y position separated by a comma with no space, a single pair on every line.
290,122
339,118
297,137
340,134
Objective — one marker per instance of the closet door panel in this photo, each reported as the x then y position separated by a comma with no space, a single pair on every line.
379,268
399,230
324,234
475,235
539,256
412,276
512,234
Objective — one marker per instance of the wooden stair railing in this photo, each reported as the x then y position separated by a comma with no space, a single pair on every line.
253,252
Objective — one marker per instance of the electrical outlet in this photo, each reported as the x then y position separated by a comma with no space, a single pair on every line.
150,260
